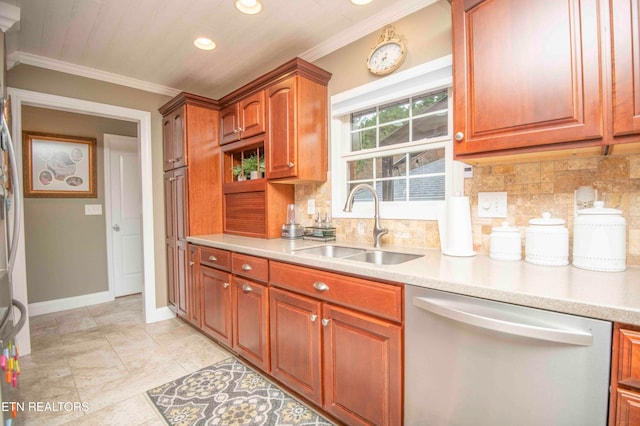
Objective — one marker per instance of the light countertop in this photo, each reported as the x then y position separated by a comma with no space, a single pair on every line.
613,296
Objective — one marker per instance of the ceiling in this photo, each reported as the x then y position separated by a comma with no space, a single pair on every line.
148,44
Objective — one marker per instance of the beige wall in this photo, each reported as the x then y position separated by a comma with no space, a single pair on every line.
65,250
57,83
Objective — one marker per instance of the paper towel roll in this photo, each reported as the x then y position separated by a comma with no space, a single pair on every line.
458,240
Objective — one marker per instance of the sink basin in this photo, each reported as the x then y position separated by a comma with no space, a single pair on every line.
380,257
331,251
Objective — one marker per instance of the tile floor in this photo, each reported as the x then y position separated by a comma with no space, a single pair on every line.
107,357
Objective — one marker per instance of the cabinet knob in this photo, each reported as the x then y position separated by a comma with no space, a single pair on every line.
225,285
459,136
325,322
313,317
171,160
212,258
290,165
320,286
240,129
192,263
246,267
235,130
246,288
178,159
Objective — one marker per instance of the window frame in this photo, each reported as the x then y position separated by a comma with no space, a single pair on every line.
431,76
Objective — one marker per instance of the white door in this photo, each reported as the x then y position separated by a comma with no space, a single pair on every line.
125,208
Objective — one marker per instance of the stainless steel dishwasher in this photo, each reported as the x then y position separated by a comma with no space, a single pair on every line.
471,361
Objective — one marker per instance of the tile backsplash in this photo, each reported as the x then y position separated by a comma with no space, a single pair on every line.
532,188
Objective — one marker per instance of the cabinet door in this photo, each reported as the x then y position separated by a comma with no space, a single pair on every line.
251,321
295,342
194,294
180,203
362,368
625,29
182,300
281,116
216,304
527,73
167,142
179,138
252,119
229,126
172,281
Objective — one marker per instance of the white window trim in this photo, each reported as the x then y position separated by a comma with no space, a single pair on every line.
431,76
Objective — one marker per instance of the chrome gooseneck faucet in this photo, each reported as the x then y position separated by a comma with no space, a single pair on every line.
378,231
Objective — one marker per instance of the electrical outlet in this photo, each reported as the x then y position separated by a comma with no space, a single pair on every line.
311,206
492,204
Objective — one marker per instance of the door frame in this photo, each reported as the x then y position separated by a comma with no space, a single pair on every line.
20,97
107,206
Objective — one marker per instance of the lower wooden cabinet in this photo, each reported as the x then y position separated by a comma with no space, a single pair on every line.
216,304
624,409
250,301
194,296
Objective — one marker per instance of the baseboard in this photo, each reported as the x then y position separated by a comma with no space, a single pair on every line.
160,314
57,305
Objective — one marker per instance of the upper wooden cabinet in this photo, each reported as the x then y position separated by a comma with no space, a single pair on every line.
526,73
243,119
533,75
625,45
174,140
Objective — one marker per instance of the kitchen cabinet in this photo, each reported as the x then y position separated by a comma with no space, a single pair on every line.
243,119
624,408
297,130
324,345
192,185
194,293
528,73
216,302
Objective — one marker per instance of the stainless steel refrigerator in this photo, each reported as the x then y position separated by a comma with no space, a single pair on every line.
12,312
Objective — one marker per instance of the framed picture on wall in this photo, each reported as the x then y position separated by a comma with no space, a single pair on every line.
59,166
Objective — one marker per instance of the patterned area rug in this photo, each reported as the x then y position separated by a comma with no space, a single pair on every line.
230,393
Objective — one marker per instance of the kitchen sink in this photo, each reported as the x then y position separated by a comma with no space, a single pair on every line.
380,257
331,251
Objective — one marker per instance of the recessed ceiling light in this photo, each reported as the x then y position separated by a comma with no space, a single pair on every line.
361,2
204,43
250,7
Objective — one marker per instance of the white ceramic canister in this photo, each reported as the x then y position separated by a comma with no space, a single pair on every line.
505,243
547,241
600,239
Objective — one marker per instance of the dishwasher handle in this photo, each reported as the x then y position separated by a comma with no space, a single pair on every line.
570,337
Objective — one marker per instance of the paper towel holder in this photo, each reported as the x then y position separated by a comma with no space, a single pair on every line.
451,235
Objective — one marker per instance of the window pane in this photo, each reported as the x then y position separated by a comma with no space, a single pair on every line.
394,111
360,169
426,162
393,134
365,139
392,190
363,119
430,102
426,188
391,166
430,126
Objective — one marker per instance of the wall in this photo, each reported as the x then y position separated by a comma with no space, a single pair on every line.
65,250
62,84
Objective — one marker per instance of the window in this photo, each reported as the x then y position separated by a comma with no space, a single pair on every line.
399,145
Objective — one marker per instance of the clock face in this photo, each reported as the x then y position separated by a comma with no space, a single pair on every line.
386,57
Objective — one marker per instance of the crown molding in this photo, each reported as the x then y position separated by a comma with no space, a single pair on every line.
361,29
9,15
82,71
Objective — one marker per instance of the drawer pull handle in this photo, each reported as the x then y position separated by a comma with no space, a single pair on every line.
313,317
246,288
320,286
325,322
246,267
213,258
225,285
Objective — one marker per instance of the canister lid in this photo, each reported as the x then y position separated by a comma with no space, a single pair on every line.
505,228
547,220
599,208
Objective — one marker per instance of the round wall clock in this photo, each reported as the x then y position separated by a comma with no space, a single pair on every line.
388,53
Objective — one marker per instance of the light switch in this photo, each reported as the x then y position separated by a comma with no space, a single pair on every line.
492,204
93,209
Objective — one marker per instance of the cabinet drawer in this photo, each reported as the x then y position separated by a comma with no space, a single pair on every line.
629,360
383,300
253,267
215,258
